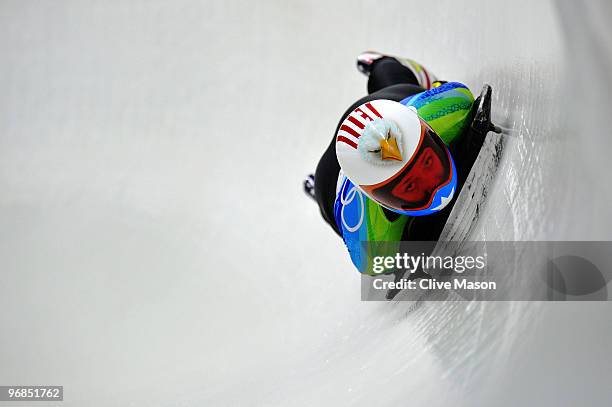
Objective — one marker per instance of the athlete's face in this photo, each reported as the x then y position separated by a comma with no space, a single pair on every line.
424,177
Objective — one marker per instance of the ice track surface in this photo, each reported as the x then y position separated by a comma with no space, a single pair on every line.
156,247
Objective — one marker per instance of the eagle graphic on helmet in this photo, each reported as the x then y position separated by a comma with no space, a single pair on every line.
396,158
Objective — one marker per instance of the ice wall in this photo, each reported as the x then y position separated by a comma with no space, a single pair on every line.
156,246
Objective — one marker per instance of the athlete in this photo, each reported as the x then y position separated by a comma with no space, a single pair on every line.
397,159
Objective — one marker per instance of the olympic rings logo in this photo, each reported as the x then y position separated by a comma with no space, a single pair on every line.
350,197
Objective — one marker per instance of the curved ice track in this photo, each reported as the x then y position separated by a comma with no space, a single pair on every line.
156,249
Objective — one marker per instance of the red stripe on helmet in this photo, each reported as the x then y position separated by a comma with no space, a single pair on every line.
356,122
369,105
362,114
347,141
350,131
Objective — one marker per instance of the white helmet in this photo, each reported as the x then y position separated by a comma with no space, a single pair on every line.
396,158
